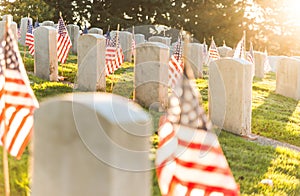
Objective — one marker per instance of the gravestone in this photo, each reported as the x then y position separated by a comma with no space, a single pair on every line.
230,87
139,38
164,40
274,61
260,60
4,17
126,43
225,51
96,31
230,53
288,78
13,27
100,147
48,23
23,29
151,74
91,62
73,31
195,58
45,54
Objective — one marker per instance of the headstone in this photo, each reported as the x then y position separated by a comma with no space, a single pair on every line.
91,62
48,23
96,31
139,38
45,53
260,59
13,27
23,29
126,43
151,74
91,151
288,78
230,87
7,16
73,31
224,51
274,61
195,58
164,40
230,53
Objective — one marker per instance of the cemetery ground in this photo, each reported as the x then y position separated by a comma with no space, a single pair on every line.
273,116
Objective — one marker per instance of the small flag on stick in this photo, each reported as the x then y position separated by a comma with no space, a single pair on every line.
63,41
29,39
17,98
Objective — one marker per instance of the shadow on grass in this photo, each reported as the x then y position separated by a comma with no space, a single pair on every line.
275,118
248,161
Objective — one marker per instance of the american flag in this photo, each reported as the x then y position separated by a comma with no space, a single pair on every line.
213,52
240,49
63,42
176,64
85,30
17,99
189,158
29,40
114,55
267,66
250,55
36,24
108,38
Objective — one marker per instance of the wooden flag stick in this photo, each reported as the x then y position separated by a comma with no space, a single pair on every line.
5,157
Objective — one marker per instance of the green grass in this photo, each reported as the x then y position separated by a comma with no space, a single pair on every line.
273,116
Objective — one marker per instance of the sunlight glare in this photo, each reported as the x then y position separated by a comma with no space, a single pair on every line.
293,9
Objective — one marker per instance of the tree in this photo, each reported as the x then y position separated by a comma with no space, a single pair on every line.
37,9
274,27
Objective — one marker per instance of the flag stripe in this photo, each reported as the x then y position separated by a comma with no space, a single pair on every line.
17,99
213,51
114,57
63,42
176,64
29,38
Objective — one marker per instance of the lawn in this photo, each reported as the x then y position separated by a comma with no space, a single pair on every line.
273,116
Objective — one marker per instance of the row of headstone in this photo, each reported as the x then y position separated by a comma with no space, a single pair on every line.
100,160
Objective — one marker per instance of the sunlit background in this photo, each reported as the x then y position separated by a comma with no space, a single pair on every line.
272,25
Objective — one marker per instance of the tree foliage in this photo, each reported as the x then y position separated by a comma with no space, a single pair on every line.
266,23
37,9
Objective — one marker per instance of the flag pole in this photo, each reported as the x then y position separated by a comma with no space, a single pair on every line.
5,157
62,66
113,76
